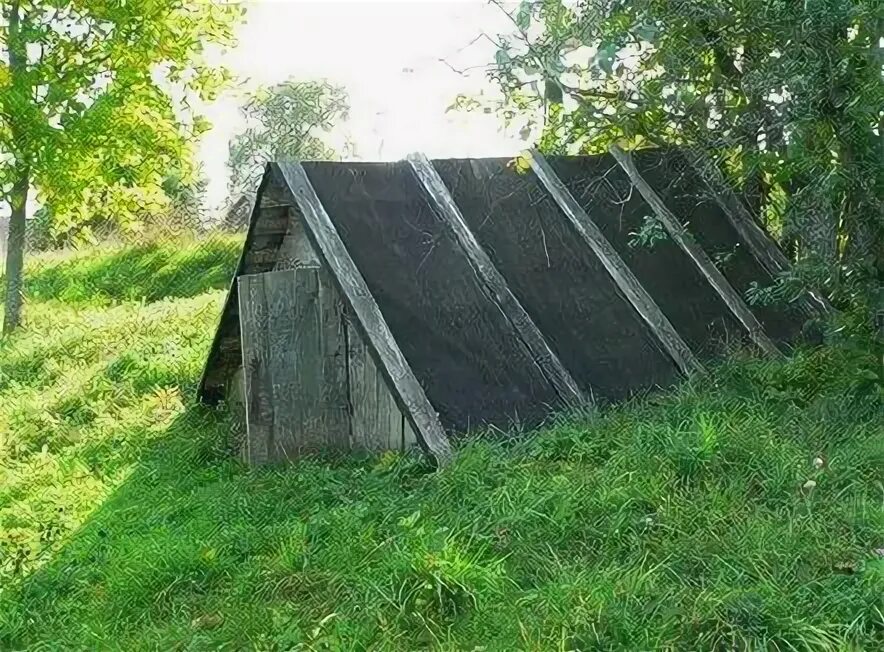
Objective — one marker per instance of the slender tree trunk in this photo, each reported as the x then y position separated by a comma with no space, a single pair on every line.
14,107
816,207
15,253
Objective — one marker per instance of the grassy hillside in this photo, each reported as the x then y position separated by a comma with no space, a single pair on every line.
742,512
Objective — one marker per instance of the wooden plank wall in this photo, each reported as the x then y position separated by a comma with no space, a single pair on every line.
377,422
267,230
309,382
294,368
296,250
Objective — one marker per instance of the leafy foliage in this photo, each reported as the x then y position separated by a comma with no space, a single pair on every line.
784,97
87,109
90,114
651,232
180,207
285,121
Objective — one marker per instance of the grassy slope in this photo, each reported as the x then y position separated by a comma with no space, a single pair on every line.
676,522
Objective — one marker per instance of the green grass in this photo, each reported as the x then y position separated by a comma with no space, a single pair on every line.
683,521
148,272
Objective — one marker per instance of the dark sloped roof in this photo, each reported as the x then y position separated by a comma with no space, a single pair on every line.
457,333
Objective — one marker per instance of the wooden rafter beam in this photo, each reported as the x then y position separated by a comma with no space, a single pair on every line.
619,271
760,245
409,394
544,357
696,253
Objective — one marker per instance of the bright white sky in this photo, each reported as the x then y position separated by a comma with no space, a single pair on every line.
387,56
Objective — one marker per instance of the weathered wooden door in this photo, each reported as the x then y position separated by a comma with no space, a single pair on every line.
294,365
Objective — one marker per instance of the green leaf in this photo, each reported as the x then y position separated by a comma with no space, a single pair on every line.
410,520
523,16
521,164
646,32
604,58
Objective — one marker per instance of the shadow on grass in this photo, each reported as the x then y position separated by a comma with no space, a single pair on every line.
661,514
147,272
188,533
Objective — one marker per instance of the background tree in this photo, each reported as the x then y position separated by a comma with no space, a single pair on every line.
88,119
285,121
177,204
785,98
187,194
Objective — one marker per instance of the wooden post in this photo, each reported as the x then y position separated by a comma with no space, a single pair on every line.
258,407
410,395
695,252
545,358
635,292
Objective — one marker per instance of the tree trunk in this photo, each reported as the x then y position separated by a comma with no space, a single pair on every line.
15,102
813,215
15,253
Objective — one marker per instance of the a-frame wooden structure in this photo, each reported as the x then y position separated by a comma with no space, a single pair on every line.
379,306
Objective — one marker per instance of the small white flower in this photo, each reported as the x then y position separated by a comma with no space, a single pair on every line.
818,462
809,485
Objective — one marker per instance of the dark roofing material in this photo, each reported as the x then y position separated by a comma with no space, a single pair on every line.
598,335
444,317
472,365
